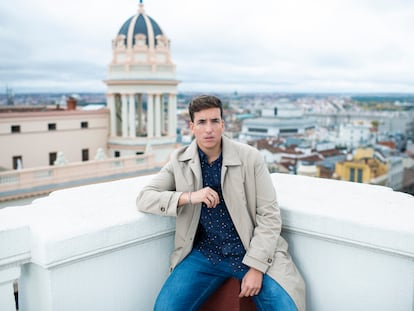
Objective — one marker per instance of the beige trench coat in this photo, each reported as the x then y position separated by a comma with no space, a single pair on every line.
250,198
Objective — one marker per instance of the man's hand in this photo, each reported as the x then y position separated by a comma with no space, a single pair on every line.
251,283
207,196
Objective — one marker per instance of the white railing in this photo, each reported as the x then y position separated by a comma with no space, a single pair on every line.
88,248
22,183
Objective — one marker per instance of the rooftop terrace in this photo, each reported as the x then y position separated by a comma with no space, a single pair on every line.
88,248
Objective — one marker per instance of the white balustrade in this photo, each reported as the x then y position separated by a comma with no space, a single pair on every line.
88,248
25,182
14,252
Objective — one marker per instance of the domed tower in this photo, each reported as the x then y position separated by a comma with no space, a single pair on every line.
141,89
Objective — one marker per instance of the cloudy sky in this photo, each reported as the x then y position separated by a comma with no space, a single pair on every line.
217,45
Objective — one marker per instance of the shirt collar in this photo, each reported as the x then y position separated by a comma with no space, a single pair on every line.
204,158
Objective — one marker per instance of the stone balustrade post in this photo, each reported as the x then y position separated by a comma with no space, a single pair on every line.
14,251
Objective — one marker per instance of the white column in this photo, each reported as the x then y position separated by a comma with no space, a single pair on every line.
110,98
150,115
157,116
140,121
124,115
172,115
15,249
162,114
132,127
7,277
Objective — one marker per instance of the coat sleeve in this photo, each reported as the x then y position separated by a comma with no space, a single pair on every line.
159,196
268,224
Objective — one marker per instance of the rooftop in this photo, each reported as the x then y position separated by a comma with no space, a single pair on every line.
346,239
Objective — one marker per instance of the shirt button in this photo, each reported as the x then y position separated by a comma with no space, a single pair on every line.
269,260
163,209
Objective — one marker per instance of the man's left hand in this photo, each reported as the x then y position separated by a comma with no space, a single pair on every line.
251,283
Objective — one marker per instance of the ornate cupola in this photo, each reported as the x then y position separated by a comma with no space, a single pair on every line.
141,49
141,89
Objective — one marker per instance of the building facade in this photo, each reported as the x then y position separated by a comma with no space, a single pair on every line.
33,137
283,119
141,113
141,89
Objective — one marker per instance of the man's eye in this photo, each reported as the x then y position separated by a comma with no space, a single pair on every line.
201,121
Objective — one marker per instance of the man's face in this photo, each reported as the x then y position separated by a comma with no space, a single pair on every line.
207,129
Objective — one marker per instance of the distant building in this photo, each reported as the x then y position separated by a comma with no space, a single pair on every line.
326,167
307,169
354,135
282,119
10,96
141,98
142,89
363,167
395,173
33,136
133,135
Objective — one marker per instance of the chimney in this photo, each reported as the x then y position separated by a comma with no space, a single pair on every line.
71,103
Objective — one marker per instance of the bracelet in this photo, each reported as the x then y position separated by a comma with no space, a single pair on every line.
189,198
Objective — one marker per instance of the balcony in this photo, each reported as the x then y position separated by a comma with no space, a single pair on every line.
88,248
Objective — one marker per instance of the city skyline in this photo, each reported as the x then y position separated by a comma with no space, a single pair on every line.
274,46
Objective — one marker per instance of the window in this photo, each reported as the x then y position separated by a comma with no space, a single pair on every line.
352,174
275,111
359,175
257,130
84,125
286,131
52,158
15,128
117,154
51,126
85,154
17,162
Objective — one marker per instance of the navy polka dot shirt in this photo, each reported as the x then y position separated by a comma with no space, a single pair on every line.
217,237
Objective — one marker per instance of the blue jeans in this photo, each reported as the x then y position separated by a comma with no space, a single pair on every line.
195,279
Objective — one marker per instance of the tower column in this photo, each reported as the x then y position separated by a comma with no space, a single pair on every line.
162,114
124,100
132,127
172,115
150,116
110,99
157,116
139,116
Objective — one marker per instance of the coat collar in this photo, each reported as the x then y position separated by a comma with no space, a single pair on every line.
230,154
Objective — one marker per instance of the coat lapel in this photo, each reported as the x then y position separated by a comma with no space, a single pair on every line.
230,158
193,174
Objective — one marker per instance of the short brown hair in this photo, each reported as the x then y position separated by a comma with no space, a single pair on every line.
203,102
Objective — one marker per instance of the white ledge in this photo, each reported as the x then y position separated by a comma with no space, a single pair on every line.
340,235
368,215
79,222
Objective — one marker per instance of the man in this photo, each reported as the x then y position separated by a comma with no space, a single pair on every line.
227,220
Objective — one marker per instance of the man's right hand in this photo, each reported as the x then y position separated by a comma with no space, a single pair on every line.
206,195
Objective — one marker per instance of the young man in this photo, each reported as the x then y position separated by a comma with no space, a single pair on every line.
227,220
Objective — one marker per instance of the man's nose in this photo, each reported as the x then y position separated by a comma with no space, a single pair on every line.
209,127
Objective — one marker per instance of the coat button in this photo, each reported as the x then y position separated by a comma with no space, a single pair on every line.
163,209
269,260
